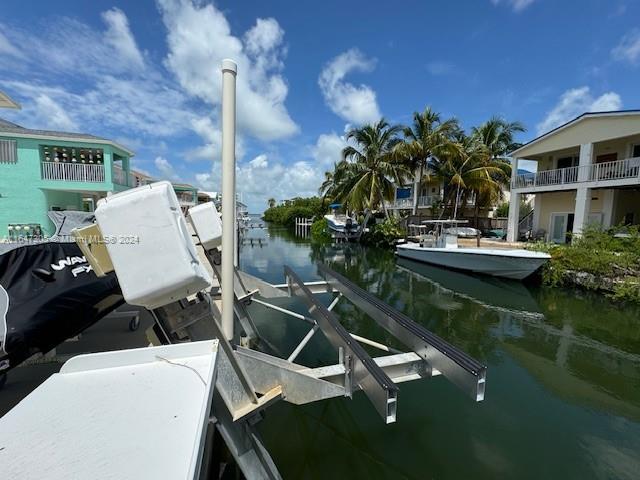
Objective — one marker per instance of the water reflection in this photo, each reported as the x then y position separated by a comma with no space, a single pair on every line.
563,379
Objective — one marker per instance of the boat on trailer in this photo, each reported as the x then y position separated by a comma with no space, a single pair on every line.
441,248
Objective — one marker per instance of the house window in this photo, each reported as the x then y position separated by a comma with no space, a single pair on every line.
635,151
566,162
52,153
8,151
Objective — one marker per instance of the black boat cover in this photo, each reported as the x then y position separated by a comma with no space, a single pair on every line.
48,293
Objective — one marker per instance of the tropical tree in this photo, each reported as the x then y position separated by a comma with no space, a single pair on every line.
370,168
271,202
427,137
469,171
497,134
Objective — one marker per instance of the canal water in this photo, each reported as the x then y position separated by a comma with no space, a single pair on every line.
563,382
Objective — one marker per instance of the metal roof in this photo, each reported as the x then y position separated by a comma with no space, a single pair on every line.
14,130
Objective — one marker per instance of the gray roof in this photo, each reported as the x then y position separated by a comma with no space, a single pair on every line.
7,127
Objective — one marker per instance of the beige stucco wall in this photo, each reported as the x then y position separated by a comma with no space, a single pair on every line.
588,130
562,202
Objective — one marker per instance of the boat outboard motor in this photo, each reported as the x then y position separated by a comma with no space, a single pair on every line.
348,224
48,293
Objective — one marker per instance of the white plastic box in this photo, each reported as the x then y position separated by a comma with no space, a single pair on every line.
206,222
150,247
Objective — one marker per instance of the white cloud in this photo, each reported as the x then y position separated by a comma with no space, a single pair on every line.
439,67
327,150
259,162
6,47
264,177
575,102
628,50
103,86
119,36
356,104
199,37
516,5
55,114
166,169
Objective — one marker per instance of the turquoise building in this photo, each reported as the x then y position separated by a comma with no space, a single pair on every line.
45,170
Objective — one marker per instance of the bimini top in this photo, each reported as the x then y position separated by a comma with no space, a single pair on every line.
335,205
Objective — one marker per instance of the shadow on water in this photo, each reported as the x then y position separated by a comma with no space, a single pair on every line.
563,391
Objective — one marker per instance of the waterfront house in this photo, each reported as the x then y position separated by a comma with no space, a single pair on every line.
588,172
43,170
426,198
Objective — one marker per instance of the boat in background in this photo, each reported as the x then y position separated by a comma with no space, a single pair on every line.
441,248
340,222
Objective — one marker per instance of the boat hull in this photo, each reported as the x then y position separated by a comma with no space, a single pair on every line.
339,226
513,264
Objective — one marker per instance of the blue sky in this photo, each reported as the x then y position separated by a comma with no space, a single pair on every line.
146,73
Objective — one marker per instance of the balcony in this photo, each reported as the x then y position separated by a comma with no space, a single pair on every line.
606,174
121,177
73,172
186,200
407,203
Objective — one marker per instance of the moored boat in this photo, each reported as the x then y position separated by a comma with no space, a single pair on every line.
441,248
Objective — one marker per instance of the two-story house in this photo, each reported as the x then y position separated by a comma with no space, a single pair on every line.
45,170
588,172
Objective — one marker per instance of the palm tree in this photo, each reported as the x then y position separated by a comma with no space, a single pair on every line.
370,168
470,170
271,202
427,137
497,134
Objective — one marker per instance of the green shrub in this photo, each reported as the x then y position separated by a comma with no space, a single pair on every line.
320,230
599,253
628,290
286,213
384,234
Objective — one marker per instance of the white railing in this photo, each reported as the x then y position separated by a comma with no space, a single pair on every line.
186,200
400,203
119,176
72,172
407,203
620,169
616,170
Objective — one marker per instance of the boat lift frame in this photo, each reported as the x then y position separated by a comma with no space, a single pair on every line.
249,380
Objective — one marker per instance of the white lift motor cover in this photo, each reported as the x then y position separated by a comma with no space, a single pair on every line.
206,222
150,247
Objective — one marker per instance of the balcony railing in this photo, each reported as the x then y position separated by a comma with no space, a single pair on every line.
407,203
73,172
119,176
617,170
186,200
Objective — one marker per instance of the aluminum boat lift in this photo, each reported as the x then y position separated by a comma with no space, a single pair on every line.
163,272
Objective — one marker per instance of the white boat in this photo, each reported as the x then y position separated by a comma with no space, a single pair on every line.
339,222
441,248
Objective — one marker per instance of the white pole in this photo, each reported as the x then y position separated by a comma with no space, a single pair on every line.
229,71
